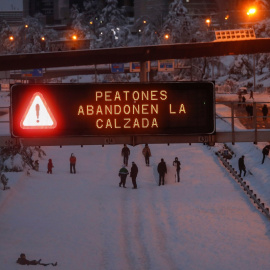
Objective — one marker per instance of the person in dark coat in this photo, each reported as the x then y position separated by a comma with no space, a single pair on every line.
133,174
264,112
162,169
242,166
265,152
23,261
72,161
176,164
123,176
50,166
147,154
125,153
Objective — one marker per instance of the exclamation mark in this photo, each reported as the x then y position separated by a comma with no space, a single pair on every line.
37,111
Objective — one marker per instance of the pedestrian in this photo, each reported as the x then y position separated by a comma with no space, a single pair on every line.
36,165
50,166
177,164
133,174
23,261
242,166
125,153
251,94
147,154
123,176
162,169
244,101
72,161
264,112
265,152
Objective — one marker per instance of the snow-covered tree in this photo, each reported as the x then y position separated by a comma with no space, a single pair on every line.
78,26
177,24
113,31
6,45
91,16
32,37
241,67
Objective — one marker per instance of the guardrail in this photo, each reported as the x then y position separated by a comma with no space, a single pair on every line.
257,130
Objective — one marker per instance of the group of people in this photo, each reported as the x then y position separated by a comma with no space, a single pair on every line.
72,162
241,162
162,168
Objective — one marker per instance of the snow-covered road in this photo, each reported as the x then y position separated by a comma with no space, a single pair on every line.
86,221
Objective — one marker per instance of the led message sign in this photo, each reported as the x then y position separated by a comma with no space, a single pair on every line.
112,109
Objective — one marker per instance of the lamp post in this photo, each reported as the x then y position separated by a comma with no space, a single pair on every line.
250,13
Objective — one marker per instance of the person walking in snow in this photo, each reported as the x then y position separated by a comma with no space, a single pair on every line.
251,94
264,112
23,261
50,166
72,161
265,152
242,166
147,154
176,164
123,176
162,169
125,153
133,174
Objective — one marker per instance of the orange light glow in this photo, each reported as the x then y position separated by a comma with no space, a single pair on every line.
74,37
166,36
251,11
208,21
11,38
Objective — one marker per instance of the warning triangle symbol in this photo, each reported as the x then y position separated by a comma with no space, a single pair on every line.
38,115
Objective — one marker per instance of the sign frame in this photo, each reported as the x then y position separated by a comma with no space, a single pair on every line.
118,109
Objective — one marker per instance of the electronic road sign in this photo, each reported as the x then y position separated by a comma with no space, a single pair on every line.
55,110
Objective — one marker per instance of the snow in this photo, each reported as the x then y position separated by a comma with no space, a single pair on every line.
86,221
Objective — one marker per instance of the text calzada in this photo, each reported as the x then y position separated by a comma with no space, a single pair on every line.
120,109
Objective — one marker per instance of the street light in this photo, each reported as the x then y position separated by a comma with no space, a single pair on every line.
208,21
11,38
251,11
74,37
167,36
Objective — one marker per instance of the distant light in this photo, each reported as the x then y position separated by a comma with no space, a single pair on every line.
208,21
74,37
144,21
140,30
43,38
11,38
251,11
166,36
227,17
26,26
91,22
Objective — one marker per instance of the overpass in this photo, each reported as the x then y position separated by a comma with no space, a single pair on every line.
141,54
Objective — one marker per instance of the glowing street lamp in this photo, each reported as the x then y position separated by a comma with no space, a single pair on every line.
251,11
11,38
74,37
26,26
43,38
208,21
167,36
